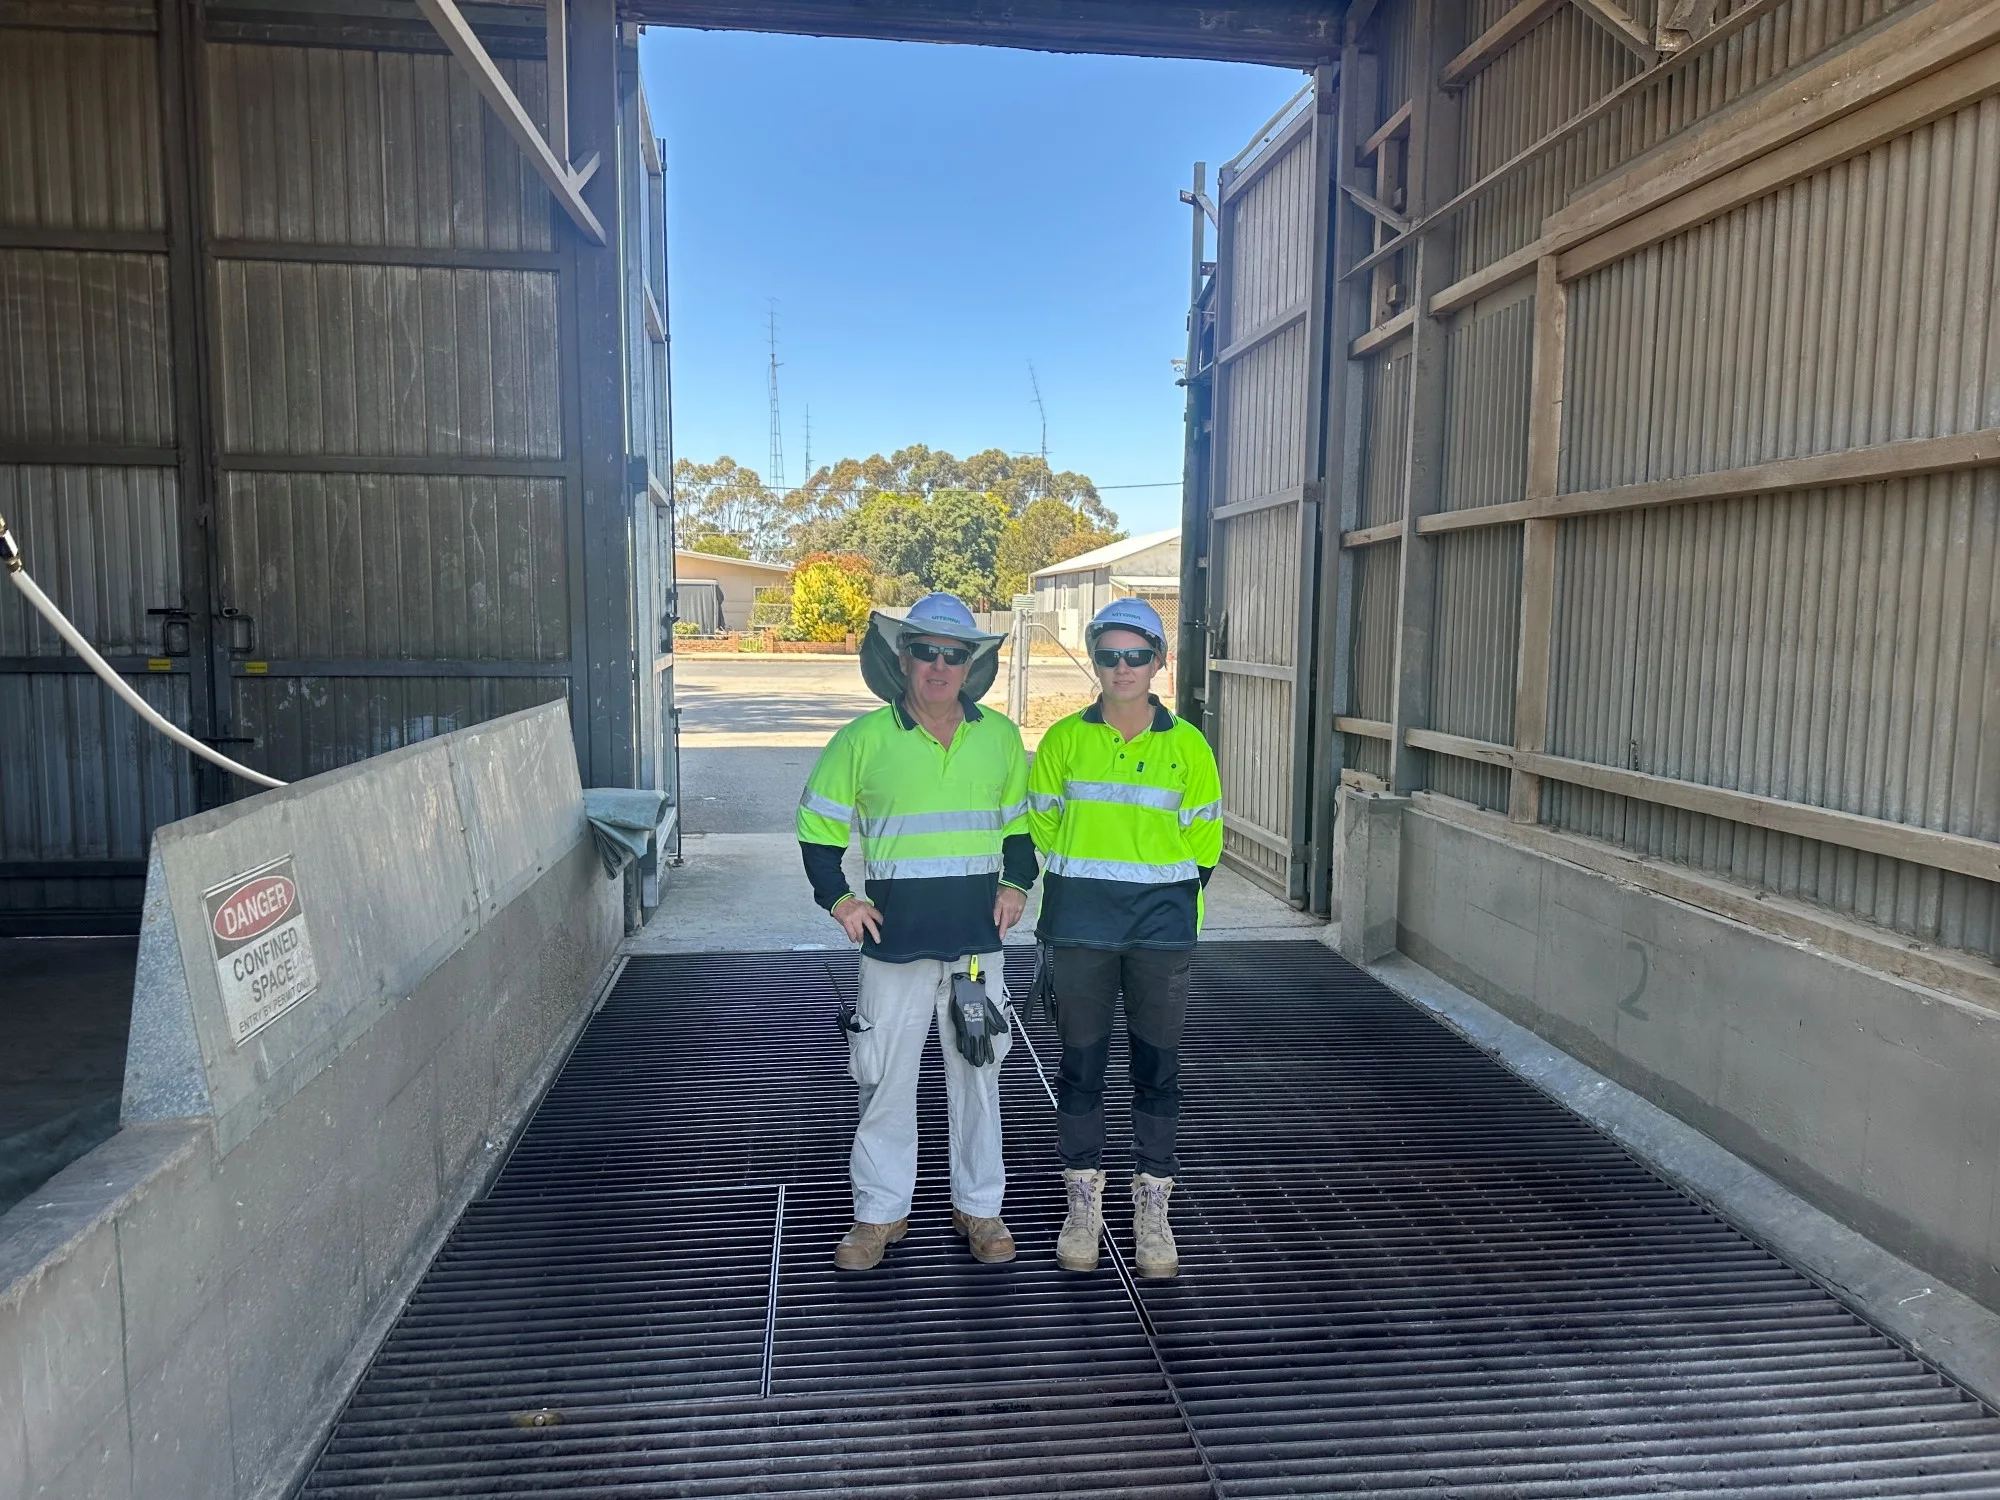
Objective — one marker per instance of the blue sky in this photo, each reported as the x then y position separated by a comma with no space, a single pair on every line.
932,219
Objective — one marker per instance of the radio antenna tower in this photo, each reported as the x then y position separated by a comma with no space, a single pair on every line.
1036,385
807,479
776,478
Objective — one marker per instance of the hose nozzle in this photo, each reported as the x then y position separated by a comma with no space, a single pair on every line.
10,550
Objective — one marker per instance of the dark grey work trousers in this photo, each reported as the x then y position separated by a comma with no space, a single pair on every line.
1087,985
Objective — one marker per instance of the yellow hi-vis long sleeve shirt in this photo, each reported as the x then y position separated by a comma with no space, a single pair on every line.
1128,831
941,827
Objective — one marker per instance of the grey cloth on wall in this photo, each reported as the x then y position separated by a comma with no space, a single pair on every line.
623,821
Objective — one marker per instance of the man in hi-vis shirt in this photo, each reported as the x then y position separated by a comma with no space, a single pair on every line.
938,788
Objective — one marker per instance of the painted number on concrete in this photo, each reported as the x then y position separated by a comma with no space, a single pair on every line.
263,953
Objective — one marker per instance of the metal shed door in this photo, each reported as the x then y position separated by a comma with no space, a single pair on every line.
1267,455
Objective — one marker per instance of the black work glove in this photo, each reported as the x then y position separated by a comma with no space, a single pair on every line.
975,1020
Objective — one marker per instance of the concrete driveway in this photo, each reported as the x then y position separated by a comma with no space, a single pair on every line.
751,727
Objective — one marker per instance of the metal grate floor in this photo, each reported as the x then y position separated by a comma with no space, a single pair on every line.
1404,1272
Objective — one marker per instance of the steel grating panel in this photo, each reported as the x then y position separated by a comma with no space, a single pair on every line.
1405,1272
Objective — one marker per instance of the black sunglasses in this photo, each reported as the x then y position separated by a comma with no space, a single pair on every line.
1133,656
951,656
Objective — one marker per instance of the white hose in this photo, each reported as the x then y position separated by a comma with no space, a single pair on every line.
45,607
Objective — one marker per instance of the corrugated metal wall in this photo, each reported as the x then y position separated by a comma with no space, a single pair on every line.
1264,392
1835,647
347,573
391,549
87,477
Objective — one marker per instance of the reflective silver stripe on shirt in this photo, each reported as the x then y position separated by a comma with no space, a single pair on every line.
1047,802
826,807
1163,797
1130,871
987,820
1017,810
1208,812
934,869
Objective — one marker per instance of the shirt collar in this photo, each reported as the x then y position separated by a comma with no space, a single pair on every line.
973,712
1162,719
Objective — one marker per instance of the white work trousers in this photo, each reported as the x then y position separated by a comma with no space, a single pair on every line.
897,1002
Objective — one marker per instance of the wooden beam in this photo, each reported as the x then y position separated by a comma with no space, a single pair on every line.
1909,459
1373,536
556,20
1397,124
1495,40
1371,729
1257,336
1521,263
1291,494
1615,19
1270,670
1383,334
1919,42
1257,834
1932,848
1359,14
1433,178
1538,541
565,183
1940,93
1502,273
1375,208
1959,975
1459,746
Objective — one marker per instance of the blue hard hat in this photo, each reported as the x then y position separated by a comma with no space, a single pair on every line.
1127,614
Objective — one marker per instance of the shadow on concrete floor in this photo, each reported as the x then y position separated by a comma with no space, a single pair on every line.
65,1008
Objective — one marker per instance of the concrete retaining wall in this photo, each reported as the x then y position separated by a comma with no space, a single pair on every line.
184,1308
1870,1096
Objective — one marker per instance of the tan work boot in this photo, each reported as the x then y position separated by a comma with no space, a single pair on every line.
1152,1238
989,1238
1083,1226
862,1246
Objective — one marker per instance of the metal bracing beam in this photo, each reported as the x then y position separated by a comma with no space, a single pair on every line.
565,181
1615,19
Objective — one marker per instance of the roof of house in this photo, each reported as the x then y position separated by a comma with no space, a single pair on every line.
682,554
1105,556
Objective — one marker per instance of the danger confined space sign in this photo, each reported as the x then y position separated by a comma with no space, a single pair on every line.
263,954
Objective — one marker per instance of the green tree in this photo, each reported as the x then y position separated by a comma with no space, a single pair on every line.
717,545
816,510
828,601
966,527
727,500
1047,531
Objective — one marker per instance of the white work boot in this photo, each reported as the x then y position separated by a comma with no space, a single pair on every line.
1083,1227
1152,1237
